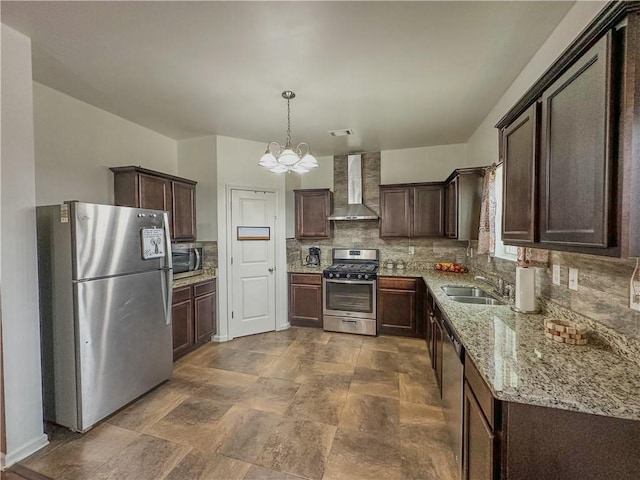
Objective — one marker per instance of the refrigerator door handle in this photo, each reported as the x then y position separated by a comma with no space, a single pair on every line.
167,239
168,287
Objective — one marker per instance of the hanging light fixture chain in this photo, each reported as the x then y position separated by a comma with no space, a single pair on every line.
288,122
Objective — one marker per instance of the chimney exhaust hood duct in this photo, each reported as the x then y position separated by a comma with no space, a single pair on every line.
355,210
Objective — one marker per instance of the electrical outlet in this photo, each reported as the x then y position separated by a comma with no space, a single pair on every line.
412,250
556,275
573,279
634,295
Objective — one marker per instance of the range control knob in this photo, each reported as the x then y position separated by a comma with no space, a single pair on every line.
366,276
359,276
331,275
348,275
337,275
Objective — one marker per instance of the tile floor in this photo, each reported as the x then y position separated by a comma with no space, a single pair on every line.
280,405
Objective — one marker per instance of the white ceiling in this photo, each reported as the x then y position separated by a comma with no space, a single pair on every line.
400,74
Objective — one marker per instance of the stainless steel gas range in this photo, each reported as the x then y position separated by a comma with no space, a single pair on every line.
349,293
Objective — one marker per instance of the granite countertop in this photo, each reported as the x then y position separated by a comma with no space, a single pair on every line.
521,365
183,282
298,268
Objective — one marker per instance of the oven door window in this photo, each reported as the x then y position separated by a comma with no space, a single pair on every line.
349,297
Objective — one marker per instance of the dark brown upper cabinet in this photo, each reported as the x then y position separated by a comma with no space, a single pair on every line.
313,207
463,190
428,207
520,151
576,204
412,210
143,188
395,211
588,180
184,210
451,215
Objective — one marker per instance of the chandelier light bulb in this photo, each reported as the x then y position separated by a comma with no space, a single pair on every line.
268,160
279,169
309,161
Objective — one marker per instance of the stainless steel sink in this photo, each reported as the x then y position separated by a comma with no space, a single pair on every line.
465,292
476,300
472,295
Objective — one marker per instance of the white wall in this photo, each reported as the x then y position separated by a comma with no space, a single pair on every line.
76,143
482,147
18,271
197,159
238,167
320,177
423,164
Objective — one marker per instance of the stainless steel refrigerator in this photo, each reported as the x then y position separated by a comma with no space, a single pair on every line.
105,282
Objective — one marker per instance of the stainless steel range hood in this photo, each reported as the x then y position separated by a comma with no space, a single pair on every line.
355,210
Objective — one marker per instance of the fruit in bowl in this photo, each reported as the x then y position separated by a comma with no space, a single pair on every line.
451,267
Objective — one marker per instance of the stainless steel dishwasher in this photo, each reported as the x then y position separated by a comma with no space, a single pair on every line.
452,385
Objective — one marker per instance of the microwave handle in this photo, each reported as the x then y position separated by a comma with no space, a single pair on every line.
198,265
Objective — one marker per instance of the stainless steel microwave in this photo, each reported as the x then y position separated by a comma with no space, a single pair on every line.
187,259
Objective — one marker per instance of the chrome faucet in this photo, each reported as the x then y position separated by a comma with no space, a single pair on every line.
498,287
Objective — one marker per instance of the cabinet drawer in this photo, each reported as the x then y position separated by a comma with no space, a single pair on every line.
480,390
181,294
306,279
204,288
397,283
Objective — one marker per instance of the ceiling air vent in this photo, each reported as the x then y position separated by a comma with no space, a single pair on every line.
340,132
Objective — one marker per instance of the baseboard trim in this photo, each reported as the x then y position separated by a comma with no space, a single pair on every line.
220,338
24,451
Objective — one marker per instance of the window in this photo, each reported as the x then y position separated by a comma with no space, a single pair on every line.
507,252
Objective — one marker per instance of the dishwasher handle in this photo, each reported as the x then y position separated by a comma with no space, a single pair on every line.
457,344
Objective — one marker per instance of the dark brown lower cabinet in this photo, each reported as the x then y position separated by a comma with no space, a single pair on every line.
182,321
479,440
204,301
305,299
193,312
399,305
507,440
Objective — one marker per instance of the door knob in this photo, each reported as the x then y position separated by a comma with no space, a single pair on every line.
271,270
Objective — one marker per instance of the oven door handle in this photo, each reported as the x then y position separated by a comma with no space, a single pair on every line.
361,282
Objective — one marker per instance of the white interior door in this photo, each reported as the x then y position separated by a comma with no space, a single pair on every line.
253,293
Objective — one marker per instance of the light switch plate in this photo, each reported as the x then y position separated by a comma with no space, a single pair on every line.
412,250
556,275
573,279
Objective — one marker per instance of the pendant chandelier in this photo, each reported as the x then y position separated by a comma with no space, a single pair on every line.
279,159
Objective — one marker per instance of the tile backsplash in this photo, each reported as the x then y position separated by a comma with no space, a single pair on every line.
364,234
603,283
603,286
210,254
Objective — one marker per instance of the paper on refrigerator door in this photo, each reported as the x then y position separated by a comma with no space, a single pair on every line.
152,243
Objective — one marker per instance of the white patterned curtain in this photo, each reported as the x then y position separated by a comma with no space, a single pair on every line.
487,231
